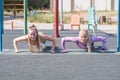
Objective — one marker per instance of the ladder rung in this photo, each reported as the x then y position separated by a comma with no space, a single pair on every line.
14,9
13,4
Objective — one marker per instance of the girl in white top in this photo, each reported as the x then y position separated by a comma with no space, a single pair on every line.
34,38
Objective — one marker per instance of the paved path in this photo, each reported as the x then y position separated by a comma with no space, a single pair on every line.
60,67
19,24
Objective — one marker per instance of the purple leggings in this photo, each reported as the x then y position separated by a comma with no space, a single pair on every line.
98,39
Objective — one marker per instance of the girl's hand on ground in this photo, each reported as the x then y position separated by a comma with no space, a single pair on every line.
52,51
16,51
64,51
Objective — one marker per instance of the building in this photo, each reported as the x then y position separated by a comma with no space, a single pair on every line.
78,5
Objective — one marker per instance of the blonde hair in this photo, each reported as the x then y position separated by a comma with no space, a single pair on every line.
33,28
85,32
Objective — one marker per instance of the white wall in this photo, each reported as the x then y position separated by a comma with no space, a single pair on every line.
116,4
84,4
103,4
81,5
100,4
66,5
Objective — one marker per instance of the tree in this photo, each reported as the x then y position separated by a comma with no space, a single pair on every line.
38,4
32,4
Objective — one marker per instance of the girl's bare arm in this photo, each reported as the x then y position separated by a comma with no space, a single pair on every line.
18,39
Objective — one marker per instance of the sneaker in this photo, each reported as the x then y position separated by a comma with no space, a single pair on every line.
101,51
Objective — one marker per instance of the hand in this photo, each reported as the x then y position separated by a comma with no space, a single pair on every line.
52,51
16,51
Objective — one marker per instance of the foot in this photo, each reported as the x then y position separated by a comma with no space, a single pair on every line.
101,50
64,51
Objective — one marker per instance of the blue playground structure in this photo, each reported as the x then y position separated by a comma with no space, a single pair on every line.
1,20
92,16
92,19
1,23
118,38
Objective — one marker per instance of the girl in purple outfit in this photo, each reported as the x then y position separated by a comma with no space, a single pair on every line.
84,41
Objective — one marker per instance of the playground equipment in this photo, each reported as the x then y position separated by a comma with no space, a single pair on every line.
1,24
11,24
118,38
61,15
1,18
17,5
61,25
56,33
14,6
75,21
92,19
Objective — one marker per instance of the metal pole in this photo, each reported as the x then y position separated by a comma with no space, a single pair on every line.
90,3
61,14
56,18
93,3
2,18
25,16
1,23
118,38
93,17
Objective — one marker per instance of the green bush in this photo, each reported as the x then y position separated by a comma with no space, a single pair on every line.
41,18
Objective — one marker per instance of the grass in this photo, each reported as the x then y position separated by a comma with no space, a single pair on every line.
42,18
48,17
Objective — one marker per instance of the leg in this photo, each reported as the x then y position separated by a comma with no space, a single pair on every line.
103,39
102,50
103,43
